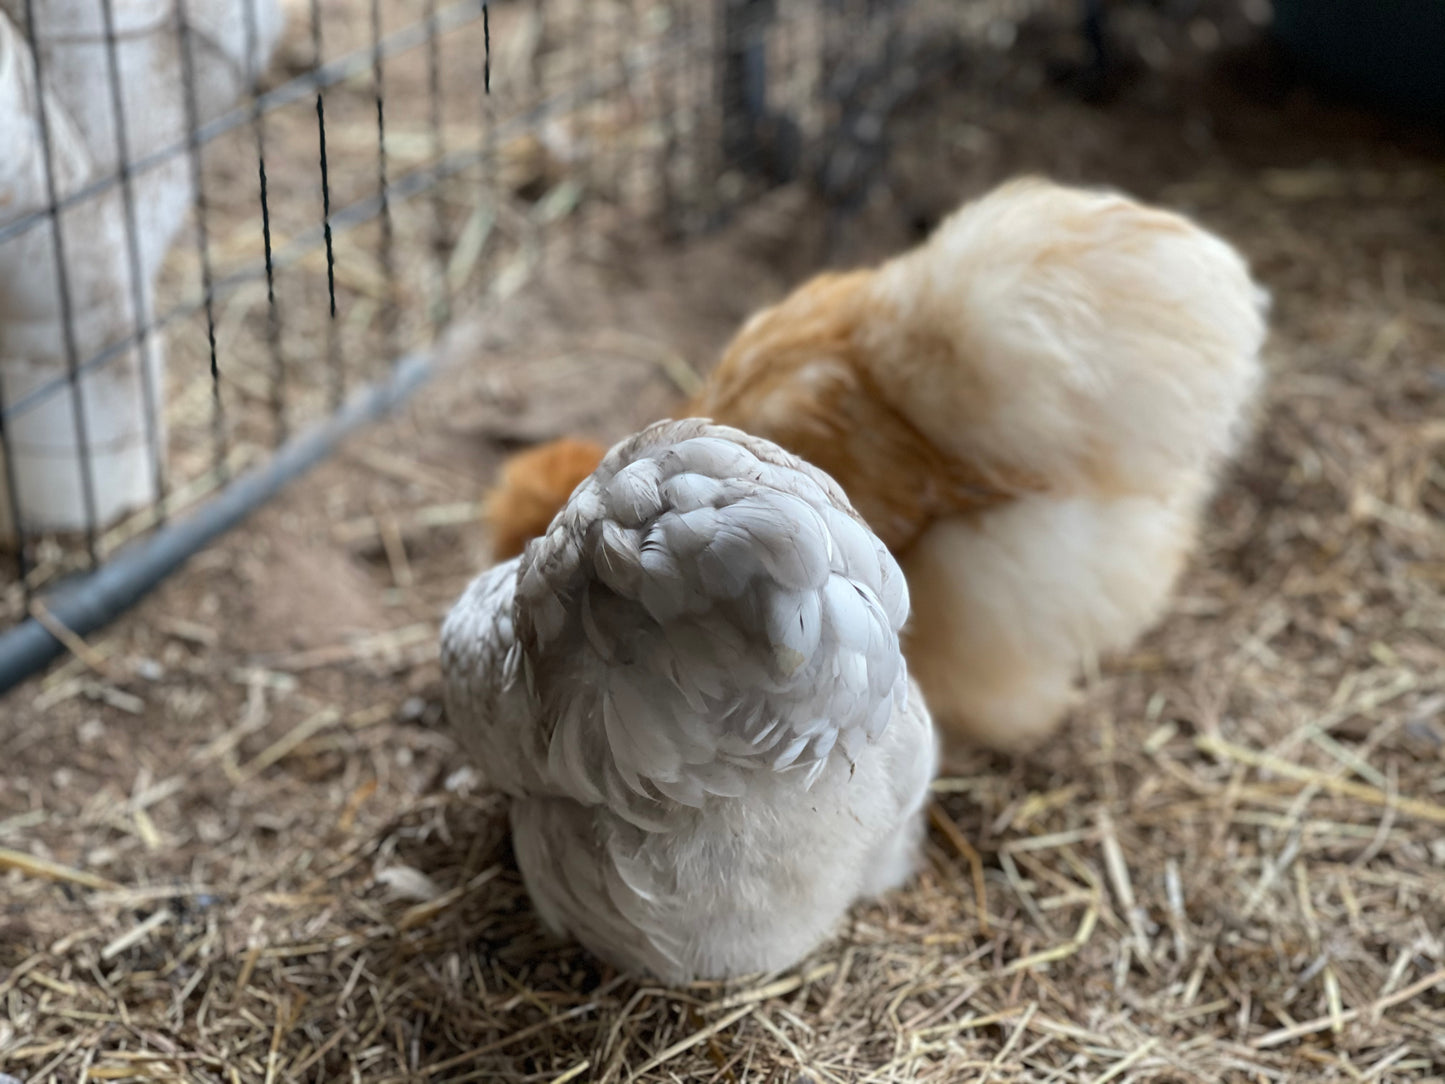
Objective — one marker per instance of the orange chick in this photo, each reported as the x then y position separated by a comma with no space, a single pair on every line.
533,487
1030,410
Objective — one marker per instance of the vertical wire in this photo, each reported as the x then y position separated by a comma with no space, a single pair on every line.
67,313
337,375
487,150
383,187
12,499
7,452
335,371
489,118
150,394
219,439
279,423
441,307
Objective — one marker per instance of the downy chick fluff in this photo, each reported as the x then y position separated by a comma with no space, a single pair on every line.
692,688
1031,409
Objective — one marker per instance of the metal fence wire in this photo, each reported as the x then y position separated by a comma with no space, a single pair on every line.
230,229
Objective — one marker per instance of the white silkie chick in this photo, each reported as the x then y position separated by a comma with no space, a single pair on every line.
693,690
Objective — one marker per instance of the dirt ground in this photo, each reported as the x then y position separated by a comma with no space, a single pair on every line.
270,864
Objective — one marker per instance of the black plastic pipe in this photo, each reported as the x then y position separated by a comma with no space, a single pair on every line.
94,600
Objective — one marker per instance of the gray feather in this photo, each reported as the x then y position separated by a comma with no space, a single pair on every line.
677,684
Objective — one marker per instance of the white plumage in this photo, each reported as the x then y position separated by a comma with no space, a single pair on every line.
693,690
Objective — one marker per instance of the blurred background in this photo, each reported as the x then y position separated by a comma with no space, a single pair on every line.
234,842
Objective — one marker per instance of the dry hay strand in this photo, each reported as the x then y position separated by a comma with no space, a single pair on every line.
237,857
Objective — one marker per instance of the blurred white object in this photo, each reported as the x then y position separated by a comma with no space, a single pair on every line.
229,47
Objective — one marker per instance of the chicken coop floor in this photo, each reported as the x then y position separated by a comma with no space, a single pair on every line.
254,854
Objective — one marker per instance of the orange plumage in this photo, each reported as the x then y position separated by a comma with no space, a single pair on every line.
534,486
1030,409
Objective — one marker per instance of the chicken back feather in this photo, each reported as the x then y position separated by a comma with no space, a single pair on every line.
693,690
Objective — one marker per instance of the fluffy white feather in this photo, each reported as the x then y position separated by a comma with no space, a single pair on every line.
693,689
1111,350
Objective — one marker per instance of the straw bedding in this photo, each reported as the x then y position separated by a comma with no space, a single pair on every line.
239,845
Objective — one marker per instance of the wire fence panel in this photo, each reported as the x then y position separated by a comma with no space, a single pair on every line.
220,218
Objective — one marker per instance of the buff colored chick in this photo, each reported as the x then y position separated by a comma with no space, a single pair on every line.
1031,410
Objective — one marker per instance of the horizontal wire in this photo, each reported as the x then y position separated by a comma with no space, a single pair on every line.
402,187
302,88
